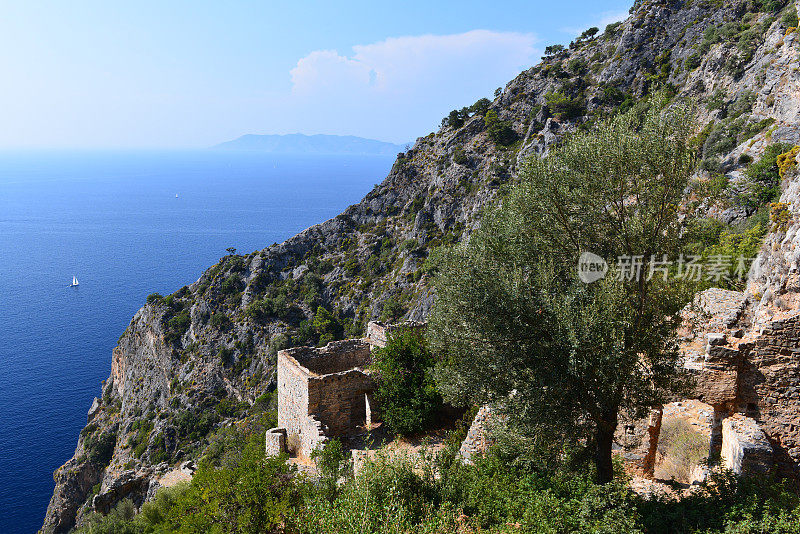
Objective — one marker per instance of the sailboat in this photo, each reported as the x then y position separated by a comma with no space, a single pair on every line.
74,281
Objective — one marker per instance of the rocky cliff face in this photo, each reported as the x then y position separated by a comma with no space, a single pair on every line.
202,357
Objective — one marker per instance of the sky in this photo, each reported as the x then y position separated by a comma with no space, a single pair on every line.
191,74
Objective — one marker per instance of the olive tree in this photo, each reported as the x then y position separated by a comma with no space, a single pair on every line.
513,323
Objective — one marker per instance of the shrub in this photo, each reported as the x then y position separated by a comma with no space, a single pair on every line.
790,18
406,392
224,355
779,216
787,161
99,447
764,178
612,29
562,106
499,131
231,285
391,310
120,520
178,325
576,66
230,408
481,106
459,156
194,426
351,267
387,496
327,327
682,448
693,61
254,495
332,464
220,321
154,298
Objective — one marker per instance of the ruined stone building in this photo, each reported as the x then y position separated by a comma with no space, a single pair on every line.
326,392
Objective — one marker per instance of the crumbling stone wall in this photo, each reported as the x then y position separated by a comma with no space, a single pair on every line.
335,357
378,333
756,375
769,387
478,438
745,448
322,392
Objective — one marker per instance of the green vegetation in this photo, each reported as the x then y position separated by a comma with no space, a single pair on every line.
220,321
459,156
99,446
457,117
514,325
141,434
391,310
553,50
326,326
499,131
764,178
681,447
564,107
502,493
406,391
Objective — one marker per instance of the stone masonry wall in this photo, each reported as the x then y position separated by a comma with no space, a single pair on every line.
315,403
334,357
378,333
292,397
769,387
339,400
745,448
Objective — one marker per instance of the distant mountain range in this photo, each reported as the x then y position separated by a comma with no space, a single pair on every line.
311,144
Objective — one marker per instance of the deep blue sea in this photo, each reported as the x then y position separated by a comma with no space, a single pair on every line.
113,220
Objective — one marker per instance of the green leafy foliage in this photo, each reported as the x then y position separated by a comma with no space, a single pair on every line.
499,131
99,446
406,391
764,178
333,465
326,326
514,324
391,310
564,107
499,494
220,321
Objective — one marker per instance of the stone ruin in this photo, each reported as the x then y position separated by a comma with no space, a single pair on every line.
746,397
378,333
326,392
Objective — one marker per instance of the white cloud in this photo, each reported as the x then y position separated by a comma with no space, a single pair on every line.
400,87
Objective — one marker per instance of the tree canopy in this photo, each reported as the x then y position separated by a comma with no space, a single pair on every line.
515,325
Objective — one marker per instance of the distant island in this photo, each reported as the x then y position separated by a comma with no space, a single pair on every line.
310,144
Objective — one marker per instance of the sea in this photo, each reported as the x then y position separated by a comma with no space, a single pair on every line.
126,224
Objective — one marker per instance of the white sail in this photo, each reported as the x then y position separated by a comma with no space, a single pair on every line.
74,280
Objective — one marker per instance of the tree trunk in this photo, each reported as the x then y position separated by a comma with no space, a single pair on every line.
604,436
653,432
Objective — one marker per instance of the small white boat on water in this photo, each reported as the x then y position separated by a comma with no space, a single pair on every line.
74,281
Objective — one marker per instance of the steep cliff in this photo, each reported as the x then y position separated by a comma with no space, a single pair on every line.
204,356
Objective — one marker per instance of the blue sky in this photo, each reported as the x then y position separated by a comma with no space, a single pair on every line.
87,74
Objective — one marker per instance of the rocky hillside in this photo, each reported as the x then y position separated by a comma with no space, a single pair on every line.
205,356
